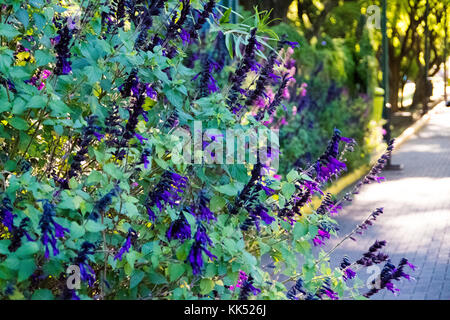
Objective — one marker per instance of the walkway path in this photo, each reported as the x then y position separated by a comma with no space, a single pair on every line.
416,219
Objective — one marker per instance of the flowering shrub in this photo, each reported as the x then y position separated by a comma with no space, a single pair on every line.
90,94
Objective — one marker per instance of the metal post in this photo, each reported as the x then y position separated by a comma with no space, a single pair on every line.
233,4
385,66
427,58
445,53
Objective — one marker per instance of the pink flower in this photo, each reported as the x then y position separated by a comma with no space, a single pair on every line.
277,176
260,102
242,277
294,110
45,74
286,94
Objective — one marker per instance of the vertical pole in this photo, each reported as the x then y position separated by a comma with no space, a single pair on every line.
427,58
445,51
233,4
385,67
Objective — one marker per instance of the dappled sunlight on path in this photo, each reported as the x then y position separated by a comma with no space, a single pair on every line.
416,219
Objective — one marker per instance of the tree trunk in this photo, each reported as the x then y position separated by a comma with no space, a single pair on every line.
394,86
419,92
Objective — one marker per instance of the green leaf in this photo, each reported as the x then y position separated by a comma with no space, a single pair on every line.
22,16
8,31
157,278
4,244
174,98
94,177
27,249
37,102
93,226
288,190
76,231
175,271
131,209
292,176
10,165
217,203
264,248
228,189
300,230
249,259
161,163
313,230
26,269
18,123
230,244
206,286
12,263
42,294
131,258
43,58
112,170
226,16
136,278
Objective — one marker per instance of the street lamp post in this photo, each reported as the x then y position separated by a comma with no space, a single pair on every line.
385,65
445,53
427,59
233,4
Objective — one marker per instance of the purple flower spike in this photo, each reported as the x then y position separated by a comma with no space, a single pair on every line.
131,237
195,257
99,136
140,138
151,93
349,274
179,229
50,229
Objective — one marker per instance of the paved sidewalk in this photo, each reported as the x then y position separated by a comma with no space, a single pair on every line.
416,219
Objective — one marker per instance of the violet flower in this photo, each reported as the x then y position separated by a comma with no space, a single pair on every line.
368,222
242,277
88,132
6,215
328,165
144,158
82,261
271,108
202,210
247,288
50,229
199,247
131,238
103,204
168,191
244,67
179,229
295,290
327,291
140,138
61,43
17,233
320,237
207,10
